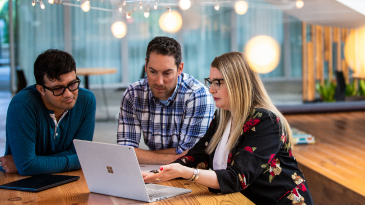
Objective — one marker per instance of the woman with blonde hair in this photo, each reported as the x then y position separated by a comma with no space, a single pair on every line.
247,147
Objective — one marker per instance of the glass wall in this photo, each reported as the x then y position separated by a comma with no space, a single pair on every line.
205,34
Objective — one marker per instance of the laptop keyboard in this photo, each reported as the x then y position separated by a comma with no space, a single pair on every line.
155,193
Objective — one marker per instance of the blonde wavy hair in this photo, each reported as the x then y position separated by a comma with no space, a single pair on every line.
246,92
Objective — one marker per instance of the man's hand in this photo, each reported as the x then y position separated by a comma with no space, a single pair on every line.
165,156
7,163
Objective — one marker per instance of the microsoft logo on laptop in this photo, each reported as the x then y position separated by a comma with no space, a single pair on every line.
110,169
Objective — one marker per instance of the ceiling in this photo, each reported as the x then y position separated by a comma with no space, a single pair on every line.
326,13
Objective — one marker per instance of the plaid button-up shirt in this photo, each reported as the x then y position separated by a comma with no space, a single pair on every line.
179,124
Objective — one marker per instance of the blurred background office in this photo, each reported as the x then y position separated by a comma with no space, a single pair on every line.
309,53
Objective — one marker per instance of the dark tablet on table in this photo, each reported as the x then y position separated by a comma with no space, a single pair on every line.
39,182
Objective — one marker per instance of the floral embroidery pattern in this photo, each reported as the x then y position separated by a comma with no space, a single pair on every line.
294,195
283,138
298,180
243,181
202,165
229,160
186,159
250,124
273,167
250,149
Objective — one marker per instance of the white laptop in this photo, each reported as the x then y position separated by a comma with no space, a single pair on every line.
112,169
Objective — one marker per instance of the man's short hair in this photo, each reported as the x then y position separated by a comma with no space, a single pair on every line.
164,46
53,63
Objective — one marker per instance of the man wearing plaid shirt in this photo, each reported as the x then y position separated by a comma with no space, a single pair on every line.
171,108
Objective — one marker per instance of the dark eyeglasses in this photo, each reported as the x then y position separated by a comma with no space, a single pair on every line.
216,83
60,90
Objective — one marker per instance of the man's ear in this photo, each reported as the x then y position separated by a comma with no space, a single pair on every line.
145,65
40,89
180,68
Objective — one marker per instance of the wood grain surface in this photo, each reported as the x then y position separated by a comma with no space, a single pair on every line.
334,167
77,193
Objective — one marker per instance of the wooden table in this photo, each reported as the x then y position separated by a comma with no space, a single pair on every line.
334,167
93,71
78,193
358,76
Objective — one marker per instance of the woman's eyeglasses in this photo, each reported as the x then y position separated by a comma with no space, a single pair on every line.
216,83
60,90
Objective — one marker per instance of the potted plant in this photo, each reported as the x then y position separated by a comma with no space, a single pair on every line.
326,91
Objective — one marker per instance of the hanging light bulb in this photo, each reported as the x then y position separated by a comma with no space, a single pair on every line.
124,2
216,6
184,4
299,4
147,12
42,5
85,6
155,6
128,15
170,21
51,1
120,8
119,29
33,3
241,7
263,53
140,5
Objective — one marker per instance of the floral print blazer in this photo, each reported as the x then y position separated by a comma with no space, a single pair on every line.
260,166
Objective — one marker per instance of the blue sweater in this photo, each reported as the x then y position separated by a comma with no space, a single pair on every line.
31,138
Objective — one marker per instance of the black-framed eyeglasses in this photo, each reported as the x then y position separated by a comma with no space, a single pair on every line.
74,85
216,83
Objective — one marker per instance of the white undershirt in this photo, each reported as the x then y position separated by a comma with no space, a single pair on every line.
221,153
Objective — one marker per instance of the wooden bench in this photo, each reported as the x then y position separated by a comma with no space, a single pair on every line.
334,167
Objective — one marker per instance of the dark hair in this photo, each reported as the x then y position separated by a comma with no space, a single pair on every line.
53,63
164,46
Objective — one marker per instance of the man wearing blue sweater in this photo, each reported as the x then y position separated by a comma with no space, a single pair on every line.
43,119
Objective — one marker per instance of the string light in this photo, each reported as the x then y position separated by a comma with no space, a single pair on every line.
33,3
170,21
155,6
42,5
120,8
128,15
119,29
124,2
140,5
184,4
216,6
85,6
299,4
51,1
147,12
241,7
263,53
